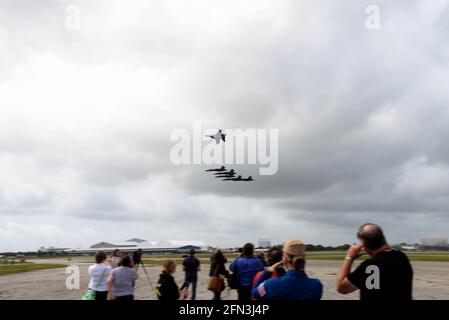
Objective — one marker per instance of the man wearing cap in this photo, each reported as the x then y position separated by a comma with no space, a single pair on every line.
295,284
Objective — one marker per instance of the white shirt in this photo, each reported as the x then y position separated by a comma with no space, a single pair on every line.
115,261
99,273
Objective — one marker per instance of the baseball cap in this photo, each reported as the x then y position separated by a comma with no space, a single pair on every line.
295,247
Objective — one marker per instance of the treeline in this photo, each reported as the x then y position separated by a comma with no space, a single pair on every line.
319,247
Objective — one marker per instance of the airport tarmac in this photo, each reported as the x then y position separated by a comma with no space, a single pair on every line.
431,281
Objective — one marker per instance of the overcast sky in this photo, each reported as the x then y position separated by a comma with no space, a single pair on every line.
88,103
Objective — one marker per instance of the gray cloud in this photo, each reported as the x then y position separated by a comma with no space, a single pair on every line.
86,115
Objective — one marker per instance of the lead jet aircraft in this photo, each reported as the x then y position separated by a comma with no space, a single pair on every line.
218,136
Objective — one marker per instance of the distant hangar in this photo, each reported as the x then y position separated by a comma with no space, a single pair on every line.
146,246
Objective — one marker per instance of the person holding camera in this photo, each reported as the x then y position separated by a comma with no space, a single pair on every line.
137,258
386,275
115,258
274,256
295,284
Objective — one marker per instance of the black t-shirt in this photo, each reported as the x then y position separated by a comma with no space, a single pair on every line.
191,265
395,276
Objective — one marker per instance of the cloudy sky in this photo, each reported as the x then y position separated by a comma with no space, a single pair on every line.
90,92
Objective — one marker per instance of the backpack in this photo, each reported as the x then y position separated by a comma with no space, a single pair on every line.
233,280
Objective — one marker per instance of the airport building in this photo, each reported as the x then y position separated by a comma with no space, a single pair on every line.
134,244
434,244
51,249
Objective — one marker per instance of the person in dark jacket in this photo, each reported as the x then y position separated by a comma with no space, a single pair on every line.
137,258
218,269
191,266
246,267
166,287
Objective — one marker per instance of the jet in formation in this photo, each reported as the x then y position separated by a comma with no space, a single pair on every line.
218,136
239,178
225,175
221,169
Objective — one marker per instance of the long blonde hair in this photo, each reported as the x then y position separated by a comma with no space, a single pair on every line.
169,266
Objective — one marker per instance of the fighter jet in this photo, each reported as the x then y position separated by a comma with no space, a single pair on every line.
226,176
218,136
221,169
239,178
230,172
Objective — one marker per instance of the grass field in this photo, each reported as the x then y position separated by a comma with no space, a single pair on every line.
25,267
157,259
59,257
434,256
11,262
413,256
